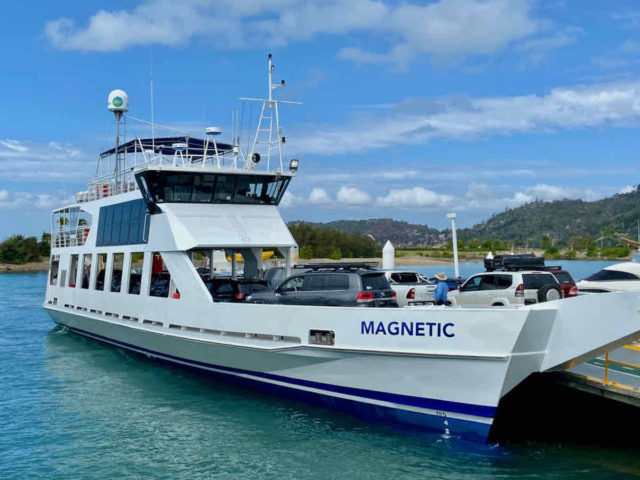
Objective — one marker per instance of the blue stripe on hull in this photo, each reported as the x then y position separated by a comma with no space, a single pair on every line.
366,411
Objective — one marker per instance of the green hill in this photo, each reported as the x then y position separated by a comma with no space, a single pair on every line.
561,223
382,229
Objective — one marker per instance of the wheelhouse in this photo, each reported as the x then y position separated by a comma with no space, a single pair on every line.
180,186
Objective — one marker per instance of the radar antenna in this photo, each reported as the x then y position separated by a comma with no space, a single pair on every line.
118,103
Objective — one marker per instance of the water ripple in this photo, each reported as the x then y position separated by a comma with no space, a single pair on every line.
71,408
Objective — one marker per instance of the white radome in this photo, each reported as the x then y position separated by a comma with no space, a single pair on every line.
118,101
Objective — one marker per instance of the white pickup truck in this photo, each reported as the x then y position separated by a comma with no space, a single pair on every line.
410,287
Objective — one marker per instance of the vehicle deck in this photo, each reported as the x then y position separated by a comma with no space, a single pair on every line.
615,376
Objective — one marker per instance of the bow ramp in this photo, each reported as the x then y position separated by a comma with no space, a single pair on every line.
589,325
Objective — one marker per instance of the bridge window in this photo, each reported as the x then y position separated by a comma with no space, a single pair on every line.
135,272
192,187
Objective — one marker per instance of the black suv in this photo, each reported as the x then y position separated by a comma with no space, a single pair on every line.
332,285
228,289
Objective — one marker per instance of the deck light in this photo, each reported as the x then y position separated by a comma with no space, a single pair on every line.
293,165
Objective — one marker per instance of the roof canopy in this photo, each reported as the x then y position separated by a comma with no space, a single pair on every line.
163,145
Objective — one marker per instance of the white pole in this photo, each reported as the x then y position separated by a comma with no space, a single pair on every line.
270,70
454,239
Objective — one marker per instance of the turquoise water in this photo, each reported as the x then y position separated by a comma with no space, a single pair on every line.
71,408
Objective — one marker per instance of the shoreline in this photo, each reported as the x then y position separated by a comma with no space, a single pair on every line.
401,261
31,267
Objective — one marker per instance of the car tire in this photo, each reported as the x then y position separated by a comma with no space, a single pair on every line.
548,293
497,304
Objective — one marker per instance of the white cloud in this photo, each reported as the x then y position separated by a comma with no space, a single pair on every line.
43,162
17,200
414,197
319,196
417,121
558,39
539,47
353,196
550,193
450,28
627,189
478,197
630,46
444,28
288,200
482,197
629,18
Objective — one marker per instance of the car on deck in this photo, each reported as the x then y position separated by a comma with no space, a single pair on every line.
410,287
338,285
230,289
504,288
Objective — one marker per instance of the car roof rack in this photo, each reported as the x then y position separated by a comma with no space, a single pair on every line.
538,268
340,266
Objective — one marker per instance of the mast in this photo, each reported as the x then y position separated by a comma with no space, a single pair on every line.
269,112
118,103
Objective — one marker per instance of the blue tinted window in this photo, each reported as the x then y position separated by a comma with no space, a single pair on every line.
122,224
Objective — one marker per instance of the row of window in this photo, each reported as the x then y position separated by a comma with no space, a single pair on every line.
81,266
190,187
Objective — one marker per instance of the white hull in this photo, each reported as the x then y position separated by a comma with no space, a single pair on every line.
448,384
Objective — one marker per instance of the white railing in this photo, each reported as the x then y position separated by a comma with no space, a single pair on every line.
123,181
70,238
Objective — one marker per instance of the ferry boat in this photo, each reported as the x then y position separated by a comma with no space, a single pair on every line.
123,271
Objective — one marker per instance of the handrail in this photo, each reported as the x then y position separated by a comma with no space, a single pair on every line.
608,361
73,237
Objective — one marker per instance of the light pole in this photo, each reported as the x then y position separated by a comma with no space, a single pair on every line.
454,239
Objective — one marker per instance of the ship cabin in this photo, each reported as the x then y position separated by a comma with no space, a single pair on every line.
161,217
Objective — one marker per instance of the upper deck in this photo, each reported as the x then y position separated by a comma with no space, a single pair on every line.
148,190
186,169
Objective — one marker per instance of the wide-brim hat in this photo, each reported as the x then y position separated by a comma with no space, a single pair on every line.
441,276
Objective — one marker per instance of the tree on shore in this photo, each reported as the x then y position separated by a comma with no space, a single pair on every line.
18,249
323,242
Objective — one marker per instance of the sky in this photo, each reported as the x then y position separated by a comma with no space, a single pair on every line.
410,110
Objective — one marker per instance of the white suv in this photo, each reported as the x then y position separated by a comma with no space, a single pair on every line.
503,288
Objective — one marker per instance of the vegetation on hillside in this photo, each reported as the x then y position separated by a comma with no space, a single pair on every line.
18,249
315,242
567,225
575,224
382,229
